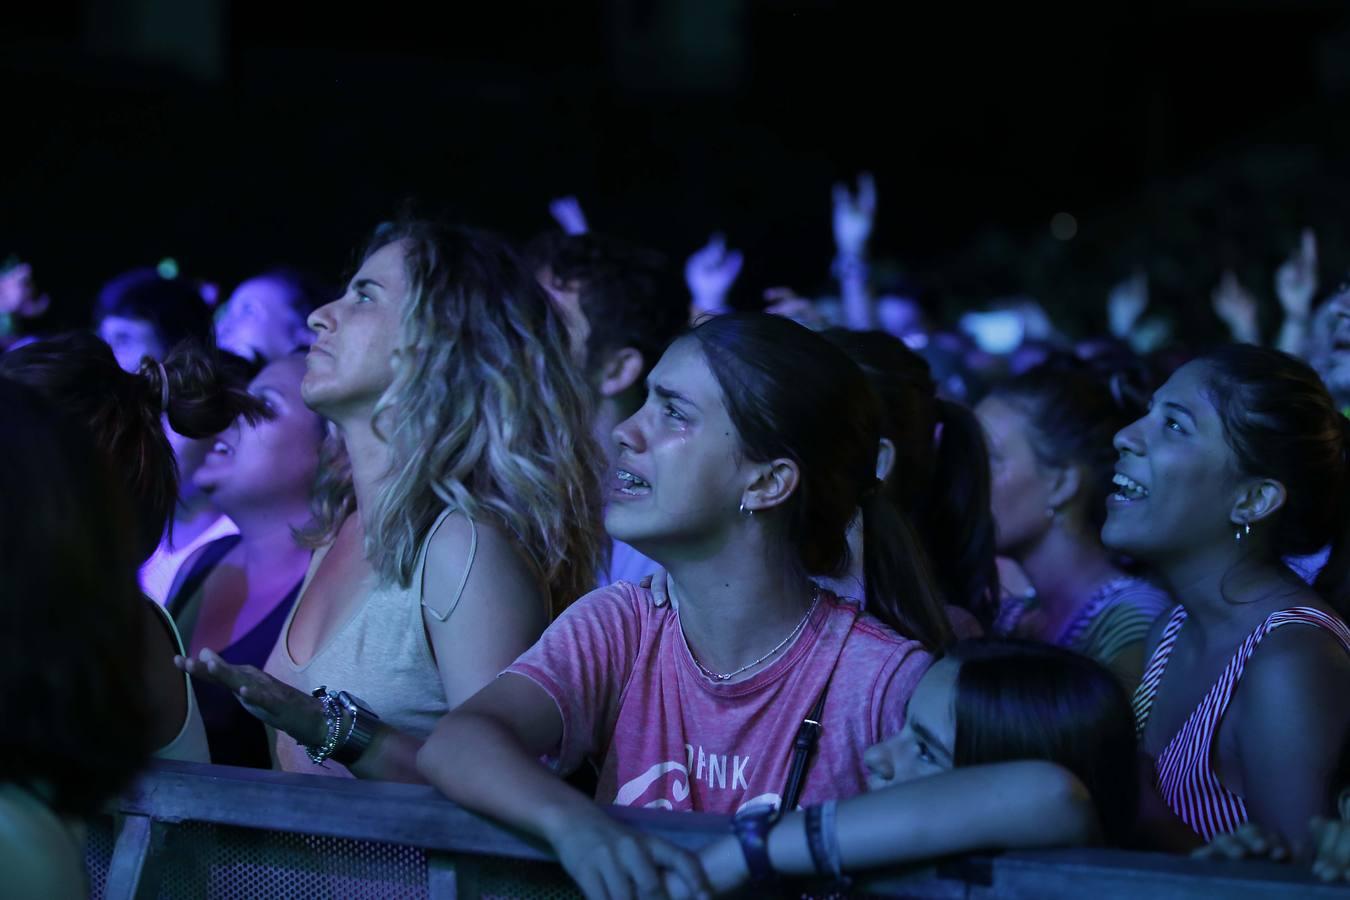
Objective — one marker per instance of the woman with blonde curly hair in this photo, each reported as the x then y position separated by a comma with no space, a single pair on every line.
458,508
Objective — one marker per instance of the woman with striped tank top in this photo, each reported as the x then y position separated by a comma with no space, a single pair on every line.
1245,701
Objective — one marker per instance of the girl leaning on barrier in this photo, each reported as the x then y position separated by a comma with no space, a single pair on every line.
458,508
740,475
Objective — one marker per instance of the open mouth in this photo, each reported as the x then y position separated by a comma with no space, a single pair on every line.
631,484
1128,489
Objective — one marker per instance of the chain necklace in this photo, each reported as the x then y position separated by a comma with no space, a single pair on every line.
717,676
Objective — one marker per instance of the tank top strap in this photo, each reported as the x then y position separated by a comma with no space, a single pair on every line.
442,610
1157,663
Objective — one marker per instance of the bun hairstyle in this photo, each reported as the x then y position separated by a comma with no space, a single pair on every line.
791,393
1075,409
940,478
199,390
1281,422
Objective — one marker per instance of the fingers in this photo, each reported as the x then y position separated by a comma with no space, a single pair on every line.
1333,851
1309,246
685,864
840,194
1244,843
867,193
637,864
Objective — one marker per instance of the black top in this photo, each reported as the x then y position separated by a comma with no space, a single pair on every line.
235,737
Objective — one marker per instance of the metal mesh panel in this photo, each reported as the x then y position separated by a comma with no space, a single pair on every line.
216,861
518,879
98,849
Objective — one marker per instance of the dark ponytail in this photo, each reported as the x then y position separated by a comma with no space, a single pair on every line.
792,394
941,485
200,390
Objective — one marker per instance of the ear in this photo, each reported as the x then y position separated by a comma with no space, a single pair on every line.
775,483
620,371
1258,499
1064,484
885,458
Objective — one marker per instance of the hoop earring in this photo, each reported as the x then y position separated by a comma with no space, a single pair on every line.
746,513
1242,532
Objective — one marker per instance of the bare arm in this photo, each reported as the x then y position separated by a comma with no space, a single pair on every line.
501,612
1024,804
1294,715
485,756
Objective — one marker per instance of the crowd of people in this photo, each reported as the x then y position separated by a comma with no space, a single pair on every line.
551,528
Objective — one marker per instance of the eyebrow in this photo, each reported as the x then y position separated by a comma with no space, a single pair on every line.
666,393
366,282
929,738
1172,404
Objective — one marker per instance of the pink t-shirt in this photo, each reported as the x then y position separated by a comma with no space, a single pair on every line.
664,735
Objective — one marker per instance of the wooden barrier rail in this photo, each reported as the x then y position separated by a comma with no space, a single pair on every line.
187,830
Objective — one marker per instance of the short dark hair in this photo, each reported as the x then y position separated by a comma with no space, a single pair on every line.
791,393
172,306
71,639
1028,700
1281,422
628,294
207,391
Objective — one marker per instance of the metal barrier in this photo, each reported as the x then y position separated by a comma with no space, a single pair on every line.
213,831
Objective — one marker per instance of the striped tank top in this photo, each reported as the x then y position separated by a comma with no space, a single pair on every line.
1185,769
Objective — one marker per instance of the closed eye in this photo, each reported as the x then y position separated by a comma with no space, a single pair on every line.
924,753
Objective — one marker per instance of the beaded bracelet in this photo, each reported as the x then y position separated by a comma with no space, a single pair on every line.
332,712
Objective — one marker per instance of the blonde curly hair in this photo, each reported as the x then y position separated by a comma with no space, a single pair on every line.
487,413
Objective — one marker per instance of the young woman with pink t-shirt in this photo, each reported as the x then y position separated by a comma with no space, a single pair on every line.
740,474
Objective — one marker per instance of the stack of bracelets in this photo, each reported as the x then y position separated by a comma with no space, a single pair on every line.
347,747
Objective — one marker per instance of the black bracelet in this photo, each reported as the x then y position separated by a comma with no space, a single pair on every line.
751,827
815,839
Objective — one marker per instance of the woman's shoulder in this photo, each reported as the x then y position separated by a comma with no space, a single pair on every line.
871,641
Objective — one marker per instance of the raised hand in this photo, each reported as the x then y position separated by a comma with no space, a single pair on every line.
1126,303
785,302
18,293
710,272
1296,280
854,216
273,702
1237,308
567,212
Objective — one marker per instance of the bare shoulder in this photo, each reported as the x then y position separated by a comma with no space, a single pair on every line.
477,558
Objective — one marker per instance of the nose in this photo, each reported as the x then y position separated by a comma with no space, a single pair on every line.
628,434
1128,439
322,318
878,762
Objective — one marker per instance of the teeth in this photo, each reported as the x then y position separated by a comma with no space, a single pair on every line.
630,479
1129,488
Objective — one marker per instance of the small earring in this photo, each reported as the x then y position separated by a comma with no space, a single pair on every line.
1242,532
1050,512
747,513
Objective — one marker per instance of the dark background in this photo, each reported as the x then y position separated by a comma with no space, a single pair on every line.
1184,137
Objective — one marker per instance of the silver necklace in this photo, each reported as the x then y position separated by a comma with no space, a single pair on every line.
717,676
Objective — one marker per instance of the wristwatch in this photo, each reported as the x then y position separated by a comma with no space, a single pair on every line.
364,723
751,827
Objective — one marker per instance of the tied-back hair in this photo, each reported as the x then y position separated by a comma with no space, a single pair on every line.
486,413
1075,409
942,484
792,394
1281,422
76,718
1027,700
206,391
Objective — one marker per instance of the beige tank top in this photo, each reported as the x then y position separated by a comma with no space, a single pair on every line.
189,745
380,655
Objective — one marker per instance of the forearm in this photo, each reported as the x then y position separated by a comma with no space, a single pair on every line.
1008,805
391,756
478,763
1293,335
856,295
